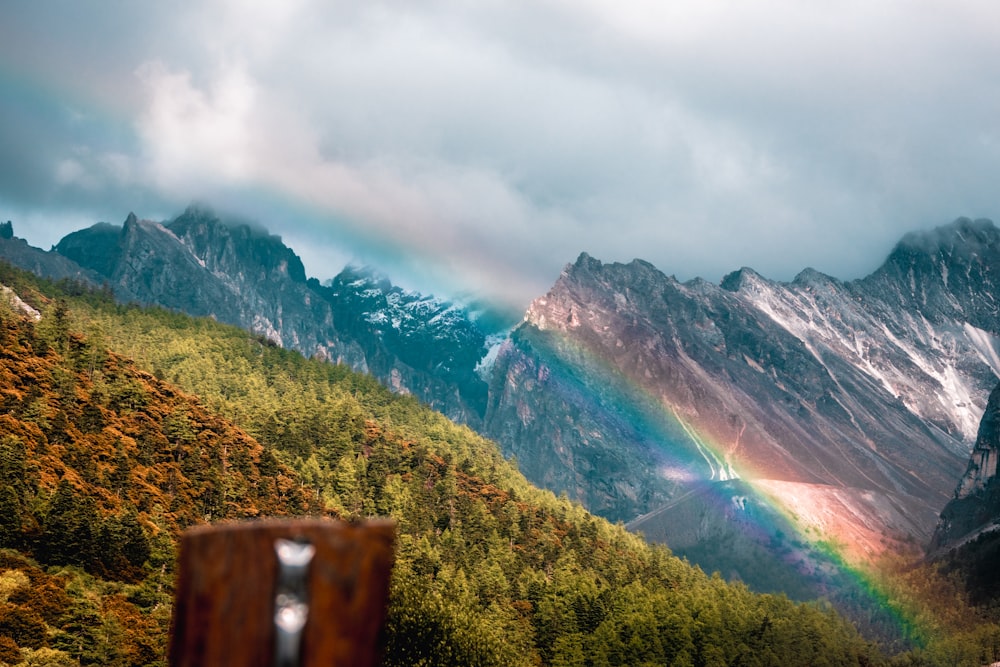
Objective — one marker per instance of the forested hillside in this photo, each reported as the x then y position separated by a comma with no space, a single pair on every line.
103,442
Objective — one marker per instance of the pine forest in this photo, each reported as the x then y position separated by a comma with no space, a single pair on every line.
122,426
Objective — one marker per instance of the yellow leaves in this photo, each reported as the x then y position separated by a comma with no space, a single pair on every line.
11,580
45,657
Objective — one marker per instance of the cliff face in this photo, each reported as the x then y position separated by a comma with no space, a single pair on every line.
975,507
854,404
983,462
966,542
947,275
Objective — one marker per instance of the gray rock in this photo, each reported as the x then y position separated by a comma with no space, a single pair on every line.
859,401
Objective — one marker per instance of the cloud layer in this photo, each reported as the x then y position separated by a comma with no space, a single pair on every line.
481,146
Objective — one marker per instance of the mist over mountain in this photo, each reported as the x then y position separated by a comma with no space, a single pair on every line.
239,274
103,464
855,403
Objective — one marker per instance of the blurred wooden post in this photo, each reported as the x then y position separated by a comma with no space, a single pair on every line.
224,612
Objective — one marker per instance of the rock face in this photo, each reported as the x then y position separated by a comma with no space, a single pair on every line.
975,507
52,265
848,408
967,539
240,274
853,405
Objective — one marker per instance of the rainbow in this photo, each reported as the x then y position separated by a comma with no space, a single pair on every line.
689,461
697,469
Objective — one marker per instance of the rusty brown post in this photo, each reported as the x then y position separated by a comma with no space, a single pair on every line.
234,589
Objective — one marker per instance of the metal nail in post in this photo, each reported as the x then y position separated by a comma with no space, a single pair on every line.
291,600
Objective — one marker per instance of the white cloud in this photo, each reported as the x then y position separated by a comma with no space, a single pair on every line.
492,140
190,134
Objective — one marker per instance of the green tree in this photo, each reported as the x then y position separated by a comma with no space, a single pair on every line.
349,483
126,393
124,547
13,465
53,329
177,427
10,517
67,528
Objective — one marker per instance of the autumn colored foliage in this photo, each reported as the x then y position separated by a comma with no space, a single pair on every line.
120,426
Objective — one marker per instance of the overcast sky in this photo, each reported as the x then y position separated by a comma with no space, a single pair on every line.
482,145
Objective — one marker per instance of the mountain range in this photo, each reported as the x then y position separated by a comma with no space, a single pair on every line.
687,409
855,403
105,457
239,274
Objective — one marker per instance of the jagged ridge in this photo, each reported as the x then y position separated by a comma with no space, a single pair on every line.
237,273
855,403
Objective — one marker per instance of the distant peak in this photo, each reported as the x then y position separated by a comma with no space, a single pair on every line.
961,232
355,273
642,264
200,210
199,215
740,278
585,261
588,263
810,276
131,219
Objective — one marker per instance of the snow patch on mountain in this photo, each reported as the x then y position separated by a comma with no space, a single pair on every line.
827,319
494,344
986,345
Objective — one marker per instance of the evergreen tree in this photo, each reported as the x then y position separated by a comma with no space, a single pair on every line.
13,459
10,517
124,548
68,528
54,328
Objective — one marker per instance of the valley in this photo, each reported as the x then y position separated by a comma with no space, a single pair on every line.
786,435
208,423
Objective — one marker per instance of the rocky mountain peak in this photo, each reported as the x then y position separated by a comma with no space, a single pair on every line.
588,268
811,278
865,396
98,247
962,245
51,264
741,280
586,263
962,234
952,272
234,247
592,289
237,272
359,277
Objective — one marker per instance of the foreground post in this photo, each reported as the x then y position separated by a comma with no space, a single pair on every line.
286,593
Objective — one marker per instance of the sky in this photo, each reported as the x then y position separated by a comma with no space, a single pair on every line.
477,147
